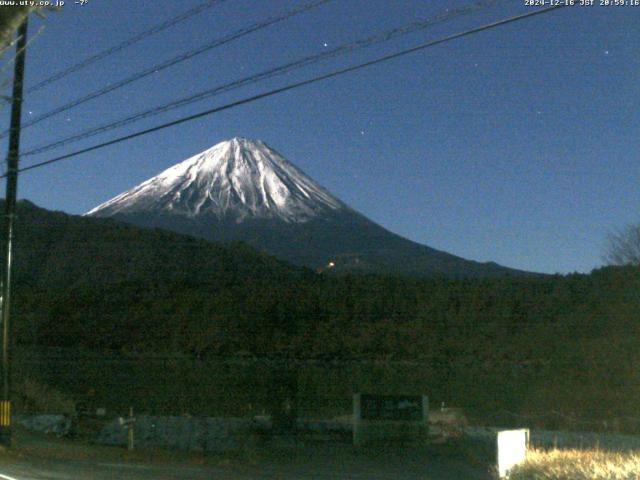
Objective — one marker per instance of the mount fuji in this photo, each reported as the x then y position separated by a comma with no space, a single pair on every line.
243,190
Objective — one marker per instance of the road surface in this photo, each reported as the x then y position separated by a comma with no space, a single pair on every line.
324,462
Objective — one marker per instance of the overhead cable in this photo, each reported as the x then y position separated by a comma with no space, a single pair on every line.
293,86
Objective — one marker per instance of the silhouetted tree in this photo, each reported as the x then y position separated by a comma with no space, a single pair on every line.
624,246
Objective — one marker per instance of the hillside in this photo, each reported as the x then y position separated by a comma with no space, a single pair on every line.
527,345
60,250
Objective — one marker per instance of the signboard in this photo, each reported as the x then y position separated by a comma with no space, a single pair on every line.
512,449
407,408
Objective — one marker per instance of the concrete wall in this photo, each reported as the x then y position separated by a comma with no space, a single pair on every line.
212,435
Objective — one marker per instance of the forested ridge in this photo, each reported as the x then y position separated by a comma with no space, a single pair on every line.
527,345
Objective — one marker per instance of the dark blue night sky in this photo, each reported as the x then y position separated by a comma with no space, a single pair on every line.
518,145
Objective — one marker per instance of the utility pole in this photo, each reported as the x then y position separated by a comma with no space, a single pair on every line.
10,214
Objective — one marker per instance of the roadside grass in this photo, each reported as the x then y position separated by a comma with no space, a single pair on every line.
577,465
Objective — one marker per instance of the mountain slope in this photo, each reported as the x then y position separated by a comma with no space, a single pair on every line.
242,190
233,180
56,250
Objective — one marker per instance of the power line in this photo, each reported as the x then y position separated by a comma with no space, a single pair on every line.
10,61
121,46
292,86
286,68
171,62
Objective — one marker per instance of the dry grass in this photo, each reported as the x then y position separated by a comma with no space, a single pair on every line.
578,465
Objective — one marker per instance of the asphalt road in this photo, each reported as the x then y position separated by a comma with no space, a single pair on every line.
324,463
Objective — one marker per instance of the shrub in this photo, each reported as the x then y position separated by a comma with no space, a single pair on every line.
36,397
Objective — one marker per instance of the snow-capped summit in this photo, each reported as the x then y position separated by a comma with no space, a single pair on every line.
242,190
233,180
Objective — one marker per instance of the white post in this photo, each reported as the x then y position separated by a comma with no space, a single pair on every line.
130,433
425,413
511,446
357,420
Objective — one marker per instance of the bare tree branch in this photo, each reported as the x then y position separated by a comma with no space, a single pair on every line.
623,246
10,19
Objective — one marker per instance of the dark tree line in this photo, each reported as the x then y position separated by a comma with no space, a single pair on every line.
531,344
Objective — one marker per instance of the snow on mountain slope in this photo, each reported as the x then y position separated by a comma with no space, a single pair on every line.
242,190
234,180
